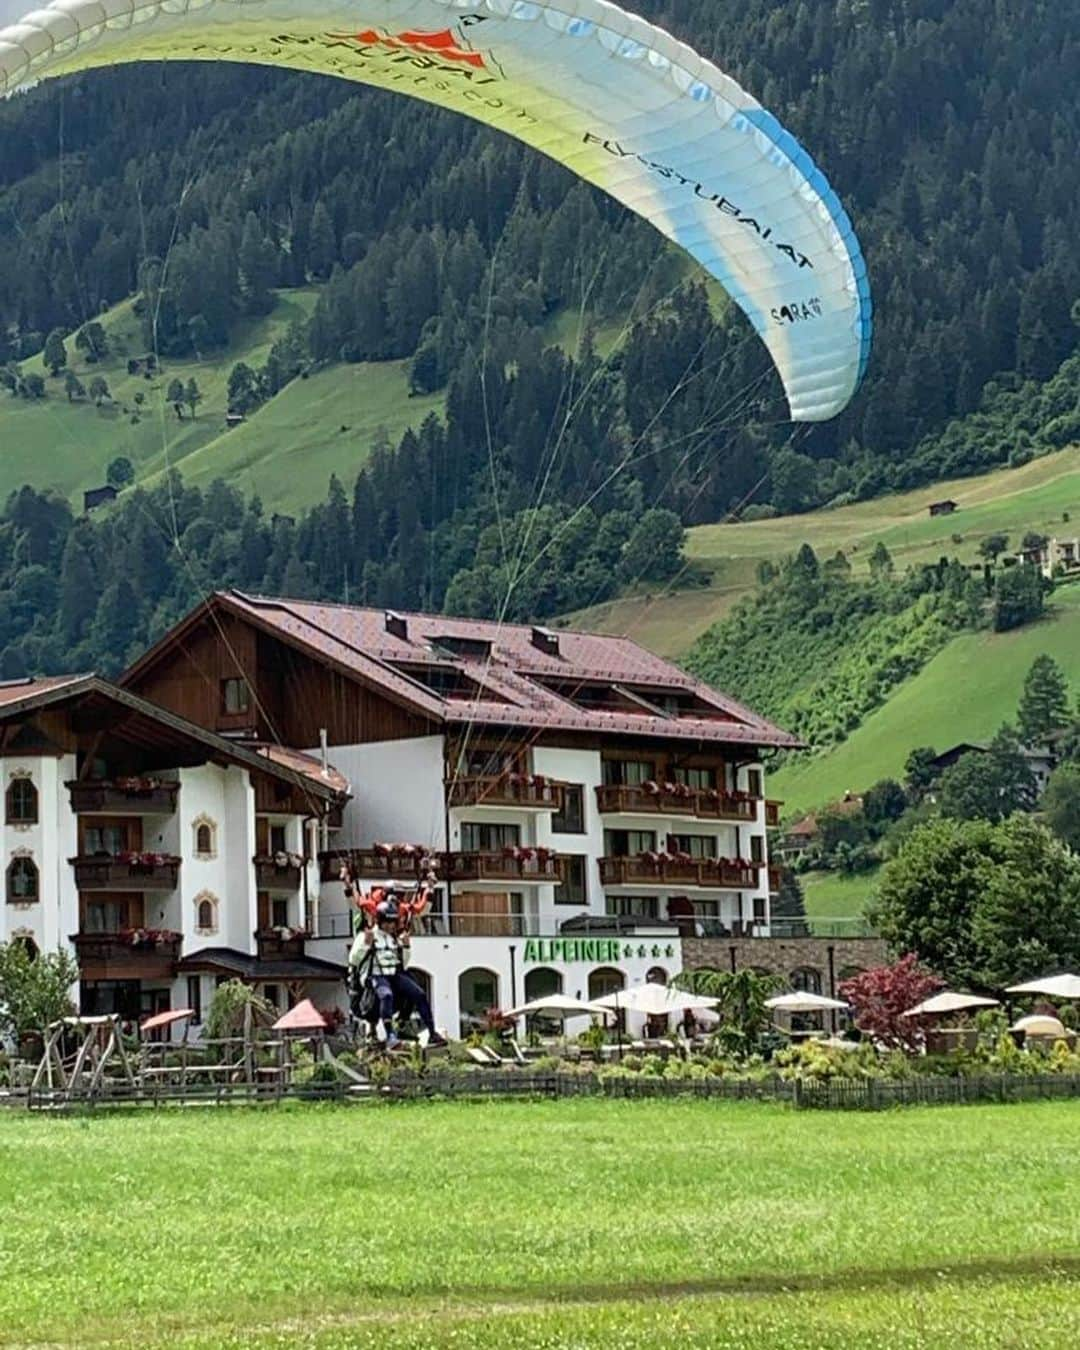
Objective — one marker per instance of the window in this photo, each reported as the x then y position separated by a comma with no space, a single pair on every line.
205,837
757,848
105,839
626,843
22,802
22,882
701,779
573,888
277,839
479,761
628,772
478,990
632,906
106,916
482,837
753,782
760,908
206,913
806,980
605,980
542,982
272,994
656,975
279,913
697,845
235,697
571,819
194,997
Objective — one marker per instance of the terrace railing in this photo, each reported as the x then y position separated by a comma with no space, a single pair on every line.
675,799
276,876
652,870
371,864
521,865
127,956
144,873
526,792
124,796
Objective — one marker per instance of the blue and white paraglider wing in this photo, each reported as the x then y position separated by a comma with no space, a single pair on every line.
618,101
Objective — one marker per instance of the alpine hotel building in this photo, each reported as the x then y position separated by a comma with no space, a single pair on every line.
589,807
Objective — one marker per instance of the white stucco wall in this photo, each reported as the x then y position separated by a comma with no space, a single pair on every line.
49,844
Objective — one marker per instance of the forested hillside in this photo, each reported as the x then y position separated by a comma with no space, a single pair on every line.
948,127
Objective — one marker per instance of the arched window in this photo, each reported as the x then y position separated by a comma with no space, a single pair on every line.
478,990
206,913
656,975
605,980
22,882
22,802
205,837
806,980
33,951
542,982
423,979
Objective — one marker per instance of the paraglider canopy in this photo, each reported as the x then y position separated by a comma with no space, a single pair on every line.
618,101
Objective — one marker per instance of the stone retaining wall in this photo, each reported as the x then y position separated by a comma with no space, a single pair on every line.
832,958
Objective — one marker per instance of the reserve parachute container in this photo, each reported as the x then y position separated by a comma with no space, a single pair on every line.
618,101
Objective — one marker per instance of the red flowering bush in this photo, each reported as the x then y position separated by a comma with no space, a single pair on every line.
879,996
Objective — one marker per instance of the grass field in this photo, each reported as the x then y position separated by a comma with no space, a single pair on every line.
559,1224
830,895
1010,501
963,694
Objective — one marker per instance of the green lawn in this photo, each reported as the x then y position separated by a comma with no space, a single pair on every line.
830,895
963,694
577,1223
1011,501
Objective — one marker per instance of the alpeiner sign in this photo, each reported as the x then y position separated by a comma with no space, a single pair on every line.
595,949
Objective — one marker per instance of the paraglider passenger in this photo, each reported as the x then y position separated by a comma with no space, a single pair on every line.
391,956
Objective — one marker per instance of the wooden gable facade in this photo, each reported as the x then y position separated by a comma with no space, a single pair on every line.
292,697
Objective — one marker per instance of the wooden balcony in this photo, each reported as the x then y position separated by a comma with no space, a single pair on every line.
275,876
772,813
674,800
709,873
127,956
522,792
497,866
122,873
372,864
274,944
125,796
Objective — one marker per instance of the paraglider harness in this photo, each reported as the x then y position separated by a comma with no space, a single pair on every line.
360,986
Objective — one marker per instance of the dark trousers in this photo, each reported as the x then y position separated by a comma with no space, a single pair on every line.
406,993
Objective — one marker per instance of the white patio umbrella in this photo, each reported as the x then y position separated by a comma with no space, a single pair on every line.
655,1000
947,1002
1039,1025
803,1001
556,1005
1053,986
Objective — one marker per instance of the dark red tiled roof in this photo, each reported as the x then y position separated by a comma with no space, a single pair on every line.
513,684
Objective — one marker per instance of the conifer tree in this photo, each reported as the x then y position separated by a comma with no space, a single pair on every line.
1044,703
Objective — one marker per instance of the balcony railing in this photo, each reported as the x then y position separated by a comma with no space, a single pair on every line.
126,872
141,954
523,866
372,864
275,944
674,799
478,923
523,791
649,870
124,796
271,875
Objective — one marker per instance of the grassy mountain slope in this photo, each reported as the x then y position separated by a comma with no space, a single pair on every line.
1011,501
963,694
285,451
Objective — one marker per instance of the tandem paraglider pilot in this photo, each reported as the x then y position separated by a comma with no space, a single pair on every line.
388,947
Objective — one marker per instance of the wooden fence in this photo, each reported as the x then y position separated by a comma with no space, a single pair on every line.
837,1094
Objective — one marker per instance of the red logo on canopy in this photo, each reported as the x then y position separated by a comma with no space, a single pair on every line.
442,44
